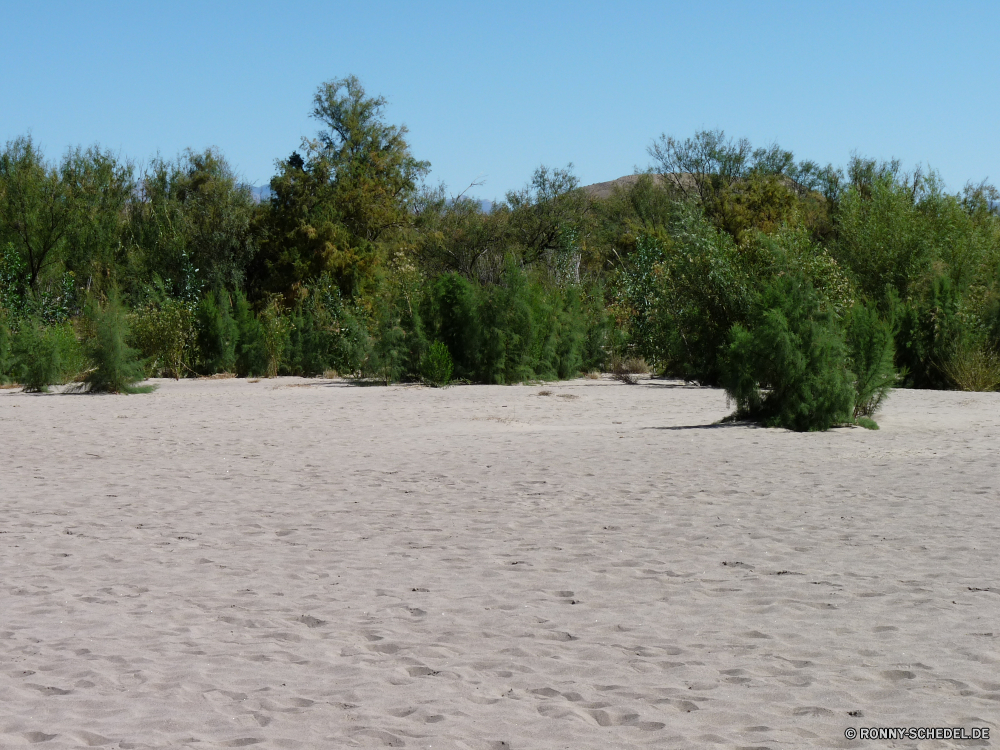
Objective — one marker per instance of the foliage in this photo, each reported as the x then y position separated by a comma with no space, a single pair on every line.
331,211
973,368
44,355
194,226
722,263
870,358
251,349
930,331
6,357
164,332
436,366
274,328
790,368
217,334
682,294
115,366
63,216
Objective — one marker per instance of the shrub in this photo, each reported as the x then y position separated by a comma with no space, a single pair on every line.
37,356
274,337
435,369
453,317
870,356
973,368
217,334
164,332
392,343
790,369
524,327
930,332
116,367
251,353
311,339
6,360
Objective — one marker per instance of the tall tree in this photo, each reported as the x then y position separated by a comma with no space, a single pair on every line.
35,206
331,210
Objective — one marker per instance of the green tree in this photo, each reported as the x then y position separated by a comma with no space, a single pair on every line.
35,207
193,225
115,366
331,212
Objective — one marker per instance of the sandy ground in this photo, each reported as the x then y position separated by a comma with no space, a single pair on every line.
311,564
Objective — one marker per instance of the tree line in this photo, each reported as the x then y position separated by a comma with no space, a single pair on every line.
806,291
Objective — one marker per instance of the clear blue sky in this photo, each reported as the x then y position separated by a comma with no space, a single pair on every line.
496,89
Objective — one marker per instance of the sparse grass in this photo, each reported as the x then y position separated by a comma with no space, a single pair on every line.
593,375
331,374
545,393
867,423
218,376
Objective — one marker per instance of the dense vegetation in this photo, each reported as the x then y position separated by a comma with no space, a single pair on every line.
805,291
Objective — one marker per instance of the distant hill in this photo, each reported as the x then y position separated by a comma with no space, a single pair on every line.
262,193
684,180
606,189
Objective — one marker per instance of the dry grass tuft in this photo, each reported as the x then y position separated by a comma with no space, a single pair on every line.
218,376
629,369
593,375
331,374
974,369
545,393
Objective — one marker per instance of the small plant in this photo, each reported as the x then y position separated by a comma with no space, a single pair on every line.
436,366
251,357
868,424
275,329
164,332
973,368
6,360
870,352
217,333
116,366
37,362
629,369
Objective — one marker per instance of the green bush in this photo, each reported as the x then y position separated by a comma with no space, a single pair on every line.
790,369
38,356
454,319
397,342
870,354
164,331
435,369
6,358
115,367
251,351
680,295
525,327
930,331
274,328
217,334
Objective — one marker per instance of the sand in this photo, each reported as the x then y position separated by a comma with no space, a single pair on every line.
312,564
